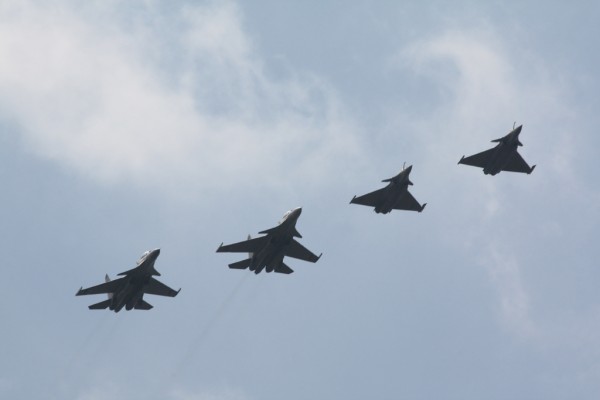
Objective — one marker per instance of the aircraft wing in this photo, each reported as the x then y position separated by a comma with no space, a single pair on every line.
247,246
370,199
107,287
159,289
478,160
408,202
300,252
517,164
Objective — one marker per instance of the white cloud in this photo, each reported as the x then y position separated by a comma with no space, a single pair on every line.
473,67
485,85
176,99
505,273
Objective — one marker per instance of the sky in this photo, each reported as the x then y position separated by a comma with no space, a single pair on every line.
129,126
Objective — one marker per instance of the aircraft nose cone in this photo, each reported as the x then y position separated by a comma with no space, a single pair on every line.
518,129
296,213
405,172
156,252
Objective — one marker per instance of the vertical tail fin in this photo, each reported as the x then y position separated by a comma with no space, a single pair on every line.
107,279
250,255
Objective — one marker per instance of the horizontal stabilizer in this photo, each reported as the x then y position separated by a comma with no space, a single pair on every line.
142,305
241,264
100,306
283,269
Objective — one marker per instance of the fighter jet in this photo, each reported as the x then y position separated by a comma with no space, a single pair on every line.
129,291
395,196
267,252
503,157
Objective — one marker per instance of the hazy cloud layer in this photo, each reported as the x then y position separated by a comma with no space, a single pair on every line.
490,292
94,93
481,85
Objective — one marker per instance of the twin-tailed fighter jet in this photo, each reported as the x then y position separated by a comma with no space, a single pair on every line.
267,252
395,196
129,290
503,157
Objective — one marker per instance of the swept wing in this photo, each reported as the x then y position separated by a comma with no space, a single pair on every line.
408,202
160,289
517,164
478,160
296,250
372,199
107,287
247,246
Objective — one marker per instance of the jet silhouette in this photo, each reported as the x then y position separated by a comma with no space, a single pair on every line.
129,290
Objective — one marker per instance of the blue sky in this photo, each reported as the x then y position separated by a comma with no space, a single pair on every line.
131,126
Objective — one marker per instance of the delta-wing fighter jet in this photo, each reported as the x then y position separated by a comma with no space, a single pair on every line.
129,290
503,157
267,252
395,196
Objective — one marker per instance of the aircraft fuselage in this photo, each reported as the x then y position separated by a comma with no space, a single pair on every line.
272,254
130,295
394,191
500,158
133,291
280,237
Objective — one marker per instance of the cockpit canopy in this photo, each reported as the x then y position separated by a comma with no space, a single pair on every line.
287,214
294,212
143,257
